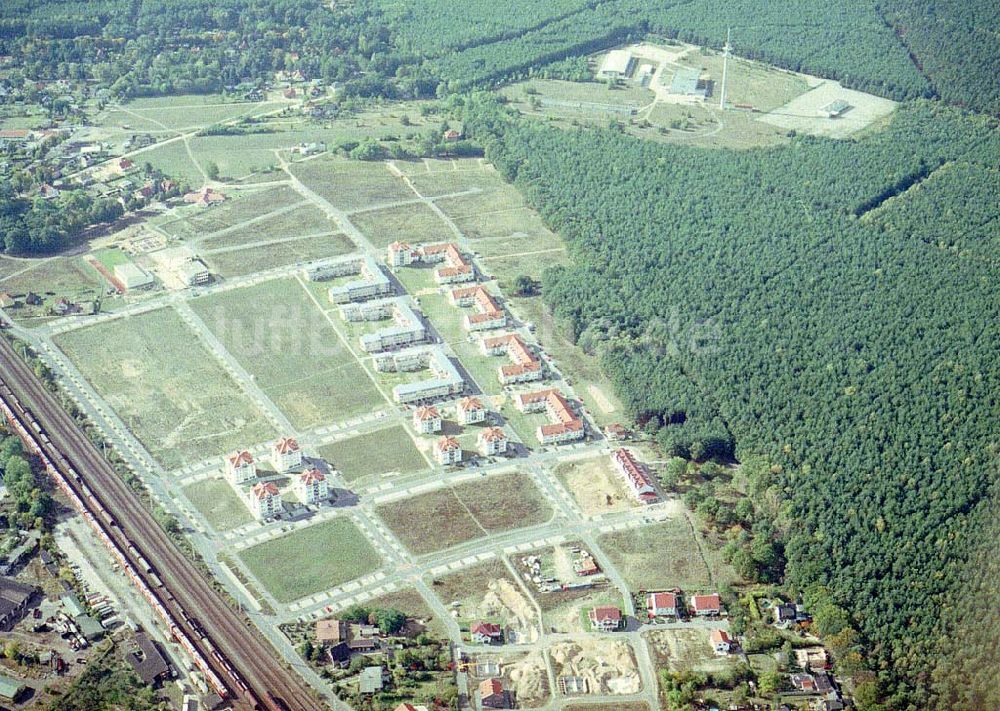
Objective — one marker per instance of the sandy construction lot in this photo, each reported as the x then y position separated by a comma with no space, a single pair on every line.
802,113
607,665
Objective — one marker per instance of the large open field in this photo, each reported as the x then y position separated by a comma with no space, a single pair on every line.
238,261
218,503
452,515
279,335
295,220
350,185
380,452
167,387
311,559
415,223
52,279
240,209
595,485
666,555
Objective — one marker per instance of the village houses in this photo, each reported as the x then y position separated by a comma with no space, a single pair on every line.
486,633
661,604
706,605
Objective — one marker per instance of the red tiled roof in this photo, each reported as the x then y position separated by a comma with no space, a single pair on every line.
706,602
286,445
661,600
470,403
719,637
487,629
446,444
311,476
490,687
240,459
264,489
493,434
427,413
606,614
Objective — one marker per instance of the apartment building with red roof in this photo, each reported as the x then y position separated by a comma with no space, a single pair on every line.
286,454
427,419
636,477
524,366
312,486
470,411
492,441
565,426
264,500
447,450
489,314
240,467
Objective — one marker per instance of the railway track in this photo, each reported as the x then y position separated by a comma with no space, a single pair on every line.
237,661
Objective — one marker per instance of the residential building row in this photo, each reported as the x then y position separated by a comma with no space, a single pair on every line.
455,269
565,425
407,329
489,314
668,604
635,475
372,284
491,441
524,366
447,381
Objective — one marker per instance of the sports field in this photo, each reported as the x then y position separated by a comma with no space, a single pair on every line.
311,559
452,515
279,335
216,500
166,386
666,555
379,452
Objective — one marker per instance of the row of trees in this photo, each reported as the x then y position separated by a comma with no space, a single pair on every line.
852,360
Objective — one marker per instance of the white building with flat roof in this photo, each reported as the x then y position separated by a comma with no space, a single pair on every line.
447,381
407,329
132,276
617,64
373,283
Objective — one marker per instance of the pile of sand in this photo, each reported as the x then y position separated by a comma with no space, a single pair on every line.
608,666
528,680
504,600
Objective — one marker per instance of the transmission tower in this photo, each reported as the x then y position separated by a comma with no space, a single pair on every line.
725,68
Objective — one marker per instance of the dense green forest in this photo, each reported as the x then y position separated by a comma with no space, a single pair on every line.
419,48
856,356
954,42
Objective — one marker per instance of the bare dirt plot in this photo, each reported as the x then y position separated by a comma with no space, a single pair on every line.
666,555
595,485
487,592
379,452
526,677
416,223
249,260
311,559
608,665
166,387
276,332
686,649
218,503
449,516
350,185
803,113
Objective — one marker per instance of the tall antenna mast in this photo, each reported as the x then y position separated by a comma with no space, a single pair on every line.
725,67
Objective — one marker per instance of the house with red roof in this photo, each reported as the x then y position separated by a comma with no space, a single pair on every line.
240,467
427,419
447,450
486,633
706,605
639,482
721,641
661,604
492,441
410,707
203,197
312,486
492,694
264,500
605,618
470,411
286,454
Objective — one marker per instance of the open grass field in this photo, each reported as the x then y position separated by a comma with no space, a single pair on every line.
532,263
762,86
416,223
239,261
291,221
174,160
351,185
666,555
595,485
452,515
218,503
52,279
508,232
167,388
576,99
379,452
311,559
281,337
493,195
241,207
188,111
446,182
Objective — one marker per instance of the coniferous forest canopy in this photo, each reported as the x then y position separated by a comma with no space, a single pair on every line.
853,359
